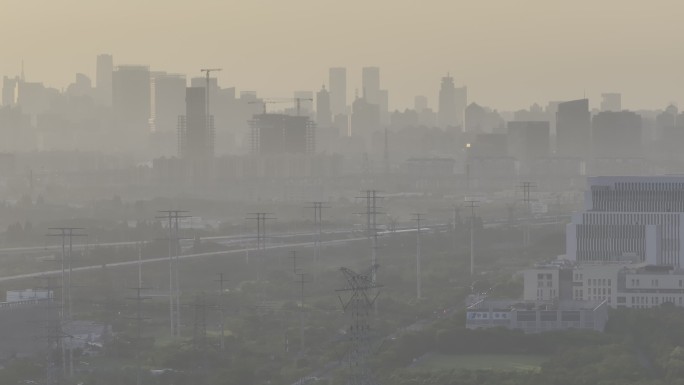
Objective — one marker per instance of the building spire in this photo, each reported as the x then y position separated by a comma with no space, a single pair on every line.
23,78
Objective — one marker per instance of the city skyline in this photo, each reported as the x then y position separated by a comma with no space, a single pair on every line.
587,49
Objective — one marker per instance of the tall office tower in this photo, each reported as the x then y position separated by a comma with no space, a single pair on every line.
323,113
131,97
627,218
573,128
611,102
528,141
282,134
305,102
365,118
168,100
195,133
420,103
452,103
103,79
370,80
616,134
9,90
338,90
383,107
446,112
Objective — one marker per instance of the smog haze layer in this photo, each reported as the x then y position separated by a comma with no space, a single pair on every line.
509,53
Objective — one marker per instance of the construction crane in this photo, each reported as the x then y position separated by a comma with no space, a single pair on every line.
297,101
209,71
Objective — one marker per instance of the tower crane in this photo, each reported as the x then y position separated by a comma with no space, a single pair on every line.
297,101
208,72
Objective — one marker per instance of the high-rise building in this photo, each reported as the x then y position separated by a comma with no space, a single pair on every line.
169,100
616,134
365,118
528,140
452,104
611,102
323,113
103,79
573,128
196,136
370,81
282,134
420,103
131,97
9,90
338,90
629,218
383,107
196,129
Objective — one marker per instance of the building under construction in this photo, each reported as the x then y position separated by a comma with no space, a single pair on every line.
196,135
282,134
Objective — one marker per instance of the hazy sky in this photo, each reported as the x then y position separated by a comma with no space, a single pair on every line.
510,53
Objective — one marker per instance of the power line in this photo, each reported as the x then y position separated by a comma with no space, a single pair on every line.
472,205
261,218
360,295
138,326
221,280
174,217
418,217
67,265
318,223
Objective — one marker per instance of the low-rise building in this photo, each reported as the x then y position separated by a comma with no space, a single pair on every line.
537,316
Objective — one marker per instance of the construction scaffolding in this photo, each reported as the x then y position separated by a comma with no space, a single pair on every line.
282,134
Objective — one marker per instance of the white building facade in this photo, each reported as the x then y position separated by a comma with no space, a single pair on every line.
629,218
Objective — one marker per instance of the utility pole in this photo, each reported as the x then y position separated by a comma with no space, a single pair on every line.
527,187
261,219
220,281
174,217
371,197
472,205
67,265
357,297
53,334
386,154
318,222
302,280
138,325
418,217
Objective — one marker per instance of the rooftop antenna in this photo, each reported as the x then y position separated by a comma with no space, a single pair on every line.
23,78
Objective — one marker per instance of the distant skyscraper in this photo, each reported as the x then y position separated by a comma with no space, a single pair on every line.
420,103
169,100
131,97
616,134
365,118
338,90
370,80
611,102
196,135
103,79
282,134
528,141
573,128
452,104
323,113
9,90
383,106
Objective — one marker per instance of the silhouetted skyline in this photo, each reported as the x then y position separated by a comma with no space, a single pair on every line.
510,54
